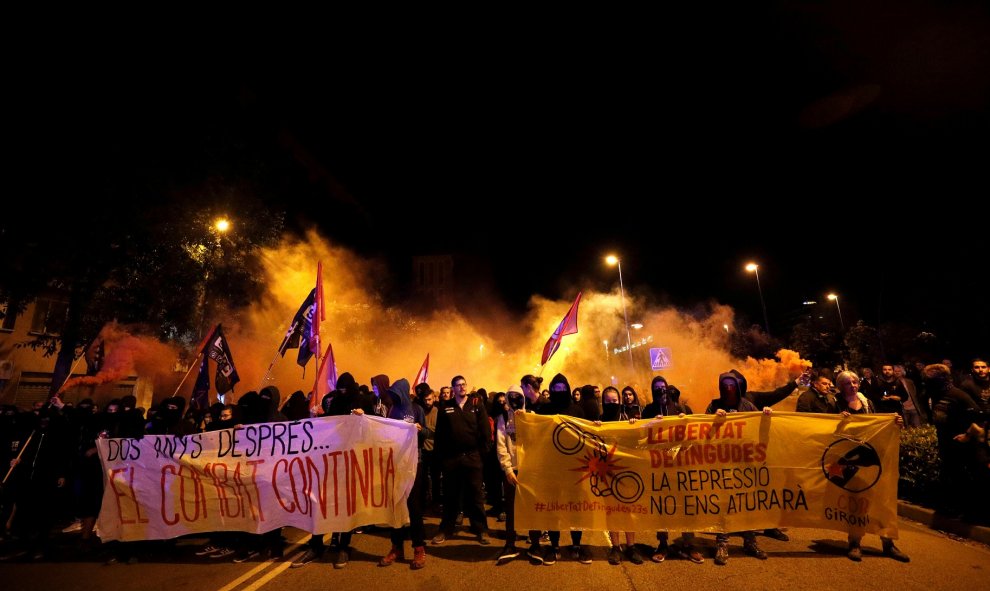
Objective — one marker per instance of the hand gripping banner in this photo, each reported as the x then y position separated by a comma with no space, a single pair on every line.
320,475
701,473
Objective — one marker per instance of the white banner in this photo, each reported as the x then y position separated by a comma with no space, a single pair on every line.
320,475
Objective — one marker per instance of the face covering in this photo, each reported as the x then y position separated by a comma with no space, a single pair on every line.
516,402
610,411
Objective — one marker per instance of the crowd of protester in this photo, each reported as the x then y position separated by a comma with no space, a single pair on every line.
467,456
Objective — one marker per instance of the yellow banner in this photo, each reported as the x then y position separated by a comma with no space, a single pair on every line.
321,475
701,473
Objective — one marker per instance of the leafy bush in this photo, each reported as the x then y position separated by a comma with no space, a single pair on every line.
919,465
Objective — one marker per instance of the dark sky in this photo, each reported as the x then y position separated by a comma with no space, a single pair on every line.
843,147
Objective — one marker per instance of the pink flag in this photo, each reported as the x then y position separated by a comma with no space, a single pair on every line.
424,372
326,380
567,326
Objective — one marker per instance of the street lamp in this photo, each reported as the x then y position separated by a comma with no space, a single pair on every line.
220,226
614,260
754,268
835,297
726,327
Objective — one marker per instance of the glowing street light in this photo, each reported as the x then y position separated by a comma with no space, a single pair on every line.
614,260
726,327
636,325
754,268
835,297
222,225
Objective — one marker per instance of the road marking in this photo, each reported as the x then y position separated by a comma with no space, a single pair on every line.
268,576
264,565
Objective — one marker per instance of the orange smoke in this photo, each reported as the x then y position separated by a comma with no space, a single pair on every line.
492,348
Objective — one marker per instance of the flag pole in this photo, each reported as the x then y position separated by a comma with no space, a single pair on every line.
68,377
189,371
268,373
18,458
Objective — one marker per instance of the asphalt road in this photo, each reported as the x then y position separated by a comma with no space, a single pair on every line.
813,559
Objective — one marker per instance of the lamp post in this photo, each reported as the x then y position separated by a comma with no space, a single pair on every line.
754,268
835,297
220,227
614,260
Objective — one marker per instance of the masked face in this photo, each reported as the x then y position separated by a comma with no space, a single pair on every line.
515,401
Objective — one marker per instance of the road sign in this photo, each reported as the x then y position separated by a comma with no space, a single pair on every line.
660,358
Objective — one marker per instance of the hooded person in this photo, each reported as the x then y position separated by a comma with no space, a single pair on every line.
505,446
168,419
271,401
589,403
731,395
297,407
401,408
559,404
611,409
380,385
349,397
732,398
762,400
631,408
348,400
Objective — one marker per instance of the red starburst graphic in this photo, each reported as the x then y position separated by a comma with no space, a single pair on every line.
593,464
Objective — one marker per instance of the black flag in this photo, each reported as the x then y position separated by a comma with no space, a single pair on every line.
218,350
298,334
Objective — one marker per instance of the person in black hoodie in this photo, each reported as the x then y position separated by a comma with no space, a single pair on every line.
401,408
560,403
732,398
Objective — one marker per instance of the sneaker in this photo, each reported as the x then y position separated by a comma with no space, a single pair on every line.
459,520
632,553
689,552
660,554
304,559
583,554
205,550
534,553
614,556
545,537
855,553
550,555
753,549
222,553
895,553
573,552
777,534
483,539
721,553
73,527
440,538
419,558
501,517
246,555
507,553
390,558
343,557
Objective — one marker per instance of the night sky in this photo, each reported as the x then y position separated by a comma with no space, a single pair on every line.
812,125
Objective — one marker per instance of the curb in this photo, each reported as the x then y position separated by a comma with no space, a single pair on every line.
950,525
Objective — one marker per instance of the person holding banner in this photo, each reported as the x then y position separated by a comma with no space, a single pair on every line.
667,403
850,402
613,411
401,408
731,399
560,404
505,440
